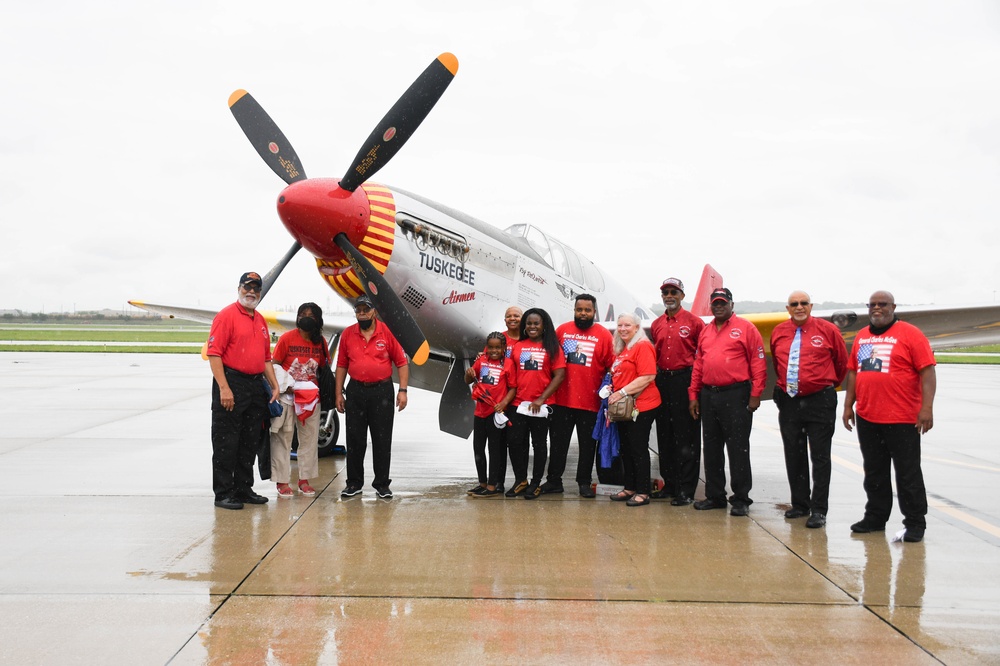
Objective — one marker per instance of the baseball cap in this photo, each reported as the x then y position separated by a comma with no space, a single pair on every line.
250,277
672,282
721,294
364,300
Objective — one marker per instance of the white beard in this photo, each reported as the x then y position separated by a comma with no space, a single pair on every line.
248,300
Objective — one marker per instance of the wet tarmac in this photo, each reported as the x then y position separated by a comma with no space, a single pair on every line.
114,553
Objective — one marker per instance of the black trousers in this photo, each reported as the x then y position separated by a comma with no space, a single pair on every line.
807,424
726,421
369,409
236,434
564,420
898,445
538,428
634,438
678,436
486,434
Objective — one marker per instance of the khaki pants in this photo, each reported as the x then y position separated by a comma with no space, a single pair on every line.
282,428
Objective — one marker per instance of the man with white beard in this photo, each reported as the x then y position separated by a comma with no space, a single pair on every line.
239,353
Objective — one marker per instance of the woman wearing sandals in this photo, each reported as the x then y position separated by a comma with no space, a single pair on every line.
633,373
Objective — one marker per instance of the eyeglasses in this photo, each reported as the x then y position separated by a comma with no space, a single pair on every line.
671,292
795,304
881,304
251,286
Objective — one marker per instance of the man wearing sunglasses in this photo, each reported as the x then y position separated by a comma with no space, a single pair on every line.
810,361
675,336
895,405
368,352
239,353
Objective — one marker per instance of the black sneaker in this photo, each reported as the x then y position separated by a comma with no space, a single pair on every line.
864,527
709,504
475,491
739,509
517,490
587,491
384,492
549,488
350,491
534,491
913,535
816,521
250,497
229,503
489,494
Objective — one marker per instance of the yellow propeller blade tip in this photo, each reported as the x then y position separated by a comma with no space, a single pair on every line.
236,96
421,356
450,62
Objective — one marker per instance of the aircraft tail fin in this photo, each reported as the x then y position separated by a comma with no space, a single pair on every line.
710,280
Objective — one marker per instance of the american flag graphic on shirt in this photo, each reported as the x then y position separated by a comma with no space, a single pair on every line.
874,357
578,352
489,374
536,355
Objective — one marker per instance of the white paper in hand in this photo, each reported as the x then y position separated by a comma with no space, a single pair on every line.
523,409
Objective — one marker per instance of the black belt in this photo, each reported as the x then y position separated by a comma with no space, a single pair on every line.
242,374
719,389
671,373
800,395
369,384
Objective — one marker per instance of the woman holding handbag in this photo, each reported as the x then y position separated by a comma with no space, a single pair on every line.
632,379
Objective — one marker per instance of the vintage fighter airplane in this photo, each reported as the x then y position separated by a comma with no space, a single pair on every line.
441,279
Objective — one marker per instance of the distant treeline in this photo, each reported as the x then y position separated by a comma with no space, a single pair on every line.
82,317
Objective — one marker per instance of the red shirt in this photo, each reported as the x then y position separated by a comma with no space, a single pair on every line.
533,370
495,381
727,355
676,339
369,360
241,339
888,385
822,354
638,361
299,356
589,354
510,343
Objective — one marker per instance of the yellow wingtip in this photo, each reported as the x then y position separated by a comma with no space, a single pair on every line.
236,96
421,356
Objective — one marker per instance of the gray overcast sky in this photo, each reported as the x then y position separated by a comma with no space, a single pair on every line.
837,147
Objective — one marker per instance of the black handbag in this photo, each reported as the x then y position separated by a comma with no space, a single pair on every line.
327,384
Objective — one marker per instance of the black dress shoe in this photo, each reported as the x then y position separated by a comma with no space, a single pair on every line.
250,497
229,503
739,510
708,504
587,491
533,491
548,488
816,520
864,527
913,535
796,512
681,500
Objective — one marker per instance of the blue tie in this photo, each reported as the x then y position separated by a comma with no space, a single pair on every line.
792,376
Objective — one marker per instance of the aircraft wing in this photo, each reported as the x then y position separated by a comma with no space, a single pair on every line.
277,322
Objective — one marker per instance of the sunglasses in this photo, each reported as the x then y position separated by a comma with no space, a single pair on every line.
880,304
250,286
795,304
671,292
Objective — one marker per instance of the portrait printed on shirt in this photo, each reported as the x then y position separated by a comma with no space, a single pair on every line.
532,359
874,354
578,352
490,374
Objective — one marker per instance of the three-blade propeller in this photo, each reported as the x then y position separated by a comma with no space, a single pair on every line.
389,135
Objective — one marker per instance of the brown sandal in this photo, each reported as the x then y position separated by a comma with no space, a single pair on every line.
622,496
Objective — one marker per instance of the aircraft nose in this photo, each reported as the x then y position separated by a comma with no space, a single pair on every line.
314,211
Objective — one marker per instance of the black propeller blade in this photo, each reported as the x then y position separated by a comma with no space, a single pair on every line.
390,308
265,136
402,120
273,274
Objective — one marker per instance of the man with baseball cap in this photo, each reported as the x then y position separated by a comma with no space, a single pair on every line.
726,385
675,336
368,352
239,353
